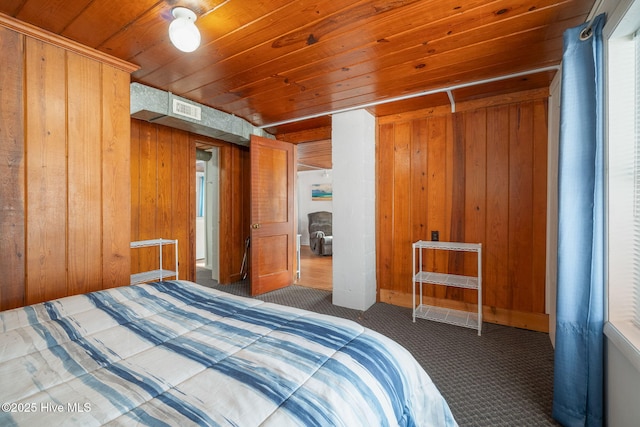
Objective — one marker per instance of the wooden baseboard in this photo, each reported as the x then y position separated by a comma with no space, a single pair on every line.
519,319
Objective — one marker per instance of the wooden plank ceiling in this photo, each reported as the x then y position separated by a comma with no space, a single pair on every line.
274,61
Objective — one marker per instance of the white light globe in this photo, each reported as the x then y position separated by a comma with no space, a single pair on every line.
183,32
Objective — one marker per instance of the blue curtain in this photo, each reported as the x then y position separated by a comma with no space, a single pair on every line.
579,363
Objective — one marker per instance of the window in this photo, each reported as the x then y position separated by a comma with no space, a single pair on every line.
623,174
200,189
636,251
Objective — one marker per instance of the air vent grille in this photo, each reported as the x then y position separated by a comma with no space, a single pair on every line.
187,110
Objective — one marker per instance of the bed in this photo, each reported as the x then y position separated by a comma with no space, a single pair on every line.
177,353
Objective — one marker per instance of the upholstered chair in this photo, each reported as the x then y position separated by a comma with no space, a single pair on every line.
320,232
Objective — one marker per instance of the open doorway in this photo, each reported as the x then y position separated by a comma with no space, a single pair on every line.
314,195
200,210
208,211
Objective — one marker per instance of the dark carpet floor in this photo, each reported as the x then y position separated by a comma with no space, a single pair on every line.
502,378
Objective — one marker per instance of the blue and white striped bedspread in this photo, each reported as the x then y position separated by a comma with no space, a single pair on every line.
176,353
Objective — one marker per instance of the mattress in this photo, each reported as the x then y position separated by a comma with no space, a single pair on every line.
177,353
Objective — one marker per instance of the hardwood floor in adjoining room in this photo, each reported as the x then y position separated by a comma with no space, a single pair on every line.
316,271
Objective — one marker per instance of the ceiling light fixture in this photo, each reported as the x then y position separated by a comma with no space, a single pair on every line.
183,31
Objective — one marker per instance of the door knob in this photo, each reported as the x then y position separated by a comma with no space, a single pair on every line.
255,226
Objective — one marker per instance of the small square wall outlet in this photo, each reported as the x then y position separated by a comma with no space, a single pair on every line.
435,236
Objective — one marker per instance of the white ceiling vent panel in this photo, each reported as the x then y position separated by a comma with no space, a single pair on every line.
187,110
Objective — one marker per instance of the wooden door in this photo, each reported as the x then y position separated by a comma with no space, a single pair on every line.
272,211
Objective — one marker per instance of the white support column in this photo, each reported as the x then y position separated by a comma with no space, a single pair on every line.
354,209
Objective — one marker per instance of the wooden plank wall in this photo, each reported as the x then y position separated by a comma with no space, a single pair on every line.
64,137
235,200
477,175
12,188
163,164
